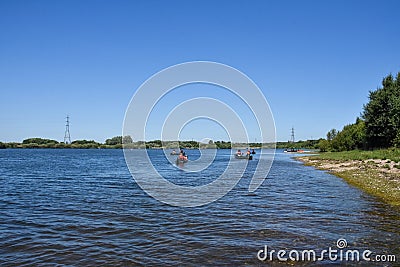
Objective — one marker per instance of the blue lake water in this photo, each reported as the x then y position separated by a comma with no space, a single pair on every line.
82,208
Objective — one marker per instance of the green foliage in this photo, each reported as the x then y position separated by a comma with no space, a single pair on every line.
392,154
351,137
380,126
39,141
34,143
188,144
331,134
114,141
323,145
154,144
62,145
310,144
382,114
13,145
224,145
84,142
396,141
127,139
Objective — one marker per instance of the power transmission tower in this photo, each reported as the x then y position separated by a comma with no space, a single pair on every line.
67,136
292,136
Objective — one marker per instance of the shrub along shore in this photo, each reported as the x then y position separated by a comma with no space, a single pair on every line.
375,172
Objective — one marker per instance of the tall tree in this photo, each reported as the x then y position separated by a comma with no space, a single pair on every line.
331,134
382,114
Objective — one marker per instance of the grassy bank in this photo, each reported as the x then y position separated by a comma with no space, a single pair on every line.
384,154
375,172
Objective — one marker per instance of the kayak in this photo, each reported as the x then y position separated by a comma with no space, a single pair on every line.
181,160
248,157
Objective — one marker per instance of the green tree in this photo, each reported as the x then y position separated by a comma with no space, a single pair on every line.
223,144
351,137
114,141
323,145
382,114
127,139
331,134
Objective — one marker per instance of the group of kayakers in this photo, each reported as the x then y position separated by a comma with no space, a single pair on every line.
248,152
183,157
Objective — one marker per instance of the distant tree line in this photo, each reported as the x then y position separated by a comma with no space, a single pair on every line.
309,144
127,142
379,125
48,143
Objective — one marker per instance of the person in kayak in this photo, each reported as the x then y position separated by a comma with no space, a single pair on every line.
239,153
182,155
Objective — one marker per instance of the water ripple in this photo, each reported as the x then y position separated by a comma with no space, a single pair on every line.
82,208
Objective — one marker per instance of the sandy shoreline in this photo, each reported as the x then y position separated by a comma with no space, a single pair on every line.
380,178
384,166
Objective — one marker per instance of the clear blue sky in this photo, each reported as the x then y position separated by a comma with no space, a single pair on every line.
315,61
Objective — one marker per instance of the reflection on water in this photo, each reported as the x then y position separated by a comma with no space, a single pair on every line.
81,207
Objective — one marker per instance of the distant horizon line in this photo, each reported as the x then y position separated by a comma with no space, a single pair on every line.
167,141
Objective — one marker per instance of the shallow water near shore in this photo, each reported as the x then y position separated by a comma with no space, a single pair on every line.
82,207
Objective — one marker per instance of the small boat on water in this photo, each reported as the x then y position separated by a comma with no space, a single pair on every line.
174,152
293,150
240,155
181,160
248,157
